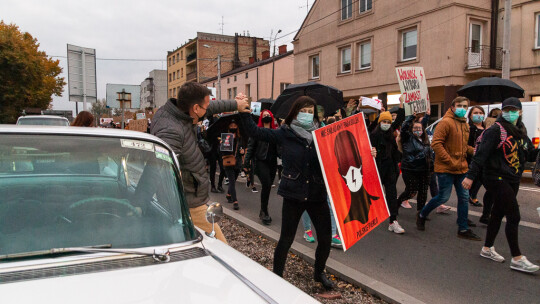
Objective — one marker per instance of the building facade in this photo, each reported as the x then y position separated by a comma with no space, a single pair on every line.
154,89
358,49
255,79
197,59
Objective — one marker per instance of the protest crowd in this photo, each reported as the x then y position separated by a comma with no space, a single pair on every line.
218,141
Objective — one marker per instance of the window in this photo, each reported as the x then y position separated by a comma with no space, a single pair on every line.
408,44
228,80
177,74
173,58
346,9
535,98
314,67
247,75
365,5
169,61
233,93
248,90
182,55
345,59
174,92
177,57
283,86
170,77
234,77
229,93
364,55
173,75
170,93
537,31
182,72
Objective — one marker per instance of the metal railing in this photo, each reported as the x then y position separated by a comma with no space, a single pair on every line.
191,57
480,57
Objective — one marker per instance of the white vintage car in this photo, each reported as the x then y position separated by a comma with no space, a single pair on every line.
98,216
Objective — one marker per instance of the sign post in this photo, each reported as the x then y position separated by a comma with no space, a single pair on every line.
82,84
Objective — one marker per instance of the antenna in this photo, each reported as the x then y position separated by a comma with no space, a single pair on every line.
306,6
222,24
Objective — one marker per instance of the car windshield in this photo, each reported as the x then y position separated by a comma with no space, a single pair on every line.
43,122
60,191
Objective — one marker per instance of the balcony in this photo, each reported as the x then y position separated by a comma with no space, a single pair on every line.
191,76
191,57
480,61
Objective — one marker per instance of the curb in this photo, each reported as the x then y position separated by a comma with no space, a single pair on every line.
369,284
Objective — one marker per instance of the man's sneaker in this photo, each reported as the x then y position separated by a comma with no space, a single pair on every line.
406,205
336,242
523,265
308,236
396,228
236,206
220,189
226,182
491,254
242,174
273,185
442,209
254,190
469,235
420,222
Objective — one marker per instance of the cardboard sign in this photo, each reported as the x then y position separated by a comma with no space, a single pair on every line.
413,85
256,108
140,125
140,116
227,142
105,120
372,102
351,177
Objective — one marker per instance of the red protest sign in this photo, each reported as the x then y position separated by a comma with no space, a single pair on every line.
351,177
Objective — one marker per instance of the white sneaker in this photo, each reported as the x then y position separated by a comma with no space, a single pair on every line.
396,228
523,265
492,254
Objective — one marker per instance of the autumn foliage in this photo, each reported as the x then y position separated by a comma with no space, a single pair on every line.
28,77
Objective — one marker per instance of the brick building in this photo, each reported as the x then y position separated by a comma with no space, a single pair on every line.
196,60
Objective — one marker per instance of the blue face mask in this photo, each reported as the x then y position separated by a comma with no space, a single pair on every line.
305,119
460,112
477,118
511,116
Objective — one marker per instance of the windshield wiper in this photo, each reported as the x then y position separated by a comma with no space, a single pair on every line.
160,255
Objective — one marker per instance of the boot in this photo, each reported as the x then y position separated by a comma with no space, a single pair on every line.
213,189
326,283
220,189
265,218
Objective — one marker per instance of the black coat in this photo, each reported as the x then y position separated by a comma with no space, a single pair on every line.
385,143
416,154
301,178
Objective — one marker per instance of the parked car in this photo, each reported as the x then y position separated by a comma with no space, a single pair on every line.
90,215
43,120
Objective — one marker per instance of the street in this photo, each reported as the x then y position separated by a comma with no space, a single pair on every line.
433,266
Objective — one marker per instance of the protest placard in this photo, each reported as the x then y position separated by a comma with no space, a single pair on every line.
351,178
413,85
372,102
227,142
256,108
140,125
140,116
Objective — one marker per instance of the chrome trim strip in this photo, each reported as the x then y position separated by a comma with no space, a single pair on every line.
244,280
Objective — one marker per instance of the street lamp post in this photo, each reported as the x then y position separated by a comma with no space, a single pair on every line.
218,72
273,64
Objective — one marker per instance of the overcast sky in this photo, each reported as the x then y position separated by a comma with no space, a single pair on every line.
142,29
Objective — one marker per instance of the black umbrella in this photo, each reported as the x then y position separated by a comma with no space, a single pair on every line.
491,89
266,104
367,110
330,98
222,126
394,109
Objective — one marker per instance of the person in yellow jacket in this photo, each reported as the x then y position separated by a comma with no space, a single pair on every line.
451,150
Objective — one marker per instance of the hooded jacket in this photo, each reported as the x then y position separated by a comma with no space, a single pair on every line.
176,128
450,144
416,154
504,162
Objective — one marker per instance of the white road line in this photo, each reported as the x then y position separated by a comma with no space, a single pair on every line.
530,189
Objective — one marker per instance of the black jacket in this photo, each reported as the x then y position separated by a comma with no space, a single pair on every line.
505,162
385,142
260,151
416,154
301,178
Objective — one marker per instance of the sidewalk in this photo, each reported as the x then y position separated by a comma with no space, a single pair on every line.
340,270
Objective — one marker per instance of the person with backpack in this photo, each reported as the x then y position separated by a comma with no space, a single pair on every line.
503,150
416,162
476,127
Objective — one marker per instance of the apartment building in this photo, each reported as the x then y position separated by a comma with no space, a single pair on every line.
196,60
255,79
358,48
154,89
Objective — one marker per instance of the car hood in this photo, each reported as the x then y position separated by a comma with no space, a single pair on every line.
203,279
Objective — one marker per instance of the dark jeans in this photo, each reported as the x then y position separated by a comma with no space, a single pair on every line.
266,171
477,184
415,181
232,174
506,204
291,213
389,175
213,157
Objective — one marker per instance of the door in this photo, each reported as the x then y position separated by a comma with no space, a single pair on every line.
475,46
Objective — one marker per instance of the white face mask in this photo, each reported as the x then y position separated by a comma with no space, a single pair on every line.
354,178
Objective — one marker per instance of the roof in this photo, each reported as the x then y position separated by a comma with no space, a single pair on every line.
250,66
42,116
305,19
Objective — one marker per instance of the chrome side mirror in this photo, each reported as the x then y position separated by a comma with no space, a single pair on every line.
214,213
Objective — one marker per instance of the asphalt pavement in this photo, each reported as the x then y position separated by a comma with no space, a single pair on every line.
433,266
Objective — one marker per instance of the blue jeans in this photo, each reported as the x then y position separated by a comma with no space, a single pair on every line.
446,180
306,222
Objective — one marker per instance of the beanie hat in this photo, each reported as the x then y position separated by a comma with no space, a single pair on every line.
385,116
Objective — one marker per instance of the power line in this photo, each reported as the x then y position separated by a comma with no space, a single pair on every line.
116,59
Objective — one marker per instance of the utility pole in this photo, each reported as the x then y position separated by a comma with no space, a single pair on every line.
506,39
218,77
273,65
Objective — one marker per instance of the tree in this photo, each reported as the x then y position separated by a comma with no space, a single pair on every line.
28,77
99,108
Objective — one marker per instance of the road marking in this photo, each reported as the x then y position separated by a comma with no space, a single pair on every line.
479,214
529,189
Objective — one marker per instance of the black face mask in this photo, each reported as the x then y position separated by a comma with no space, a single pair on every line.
267,119
232,130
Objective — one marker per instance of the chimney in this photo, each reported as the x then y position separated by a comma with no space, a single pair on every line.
265,55
251,60
282,49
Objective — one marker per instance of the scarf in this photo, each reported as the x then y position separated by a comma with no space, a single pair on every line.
304,132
